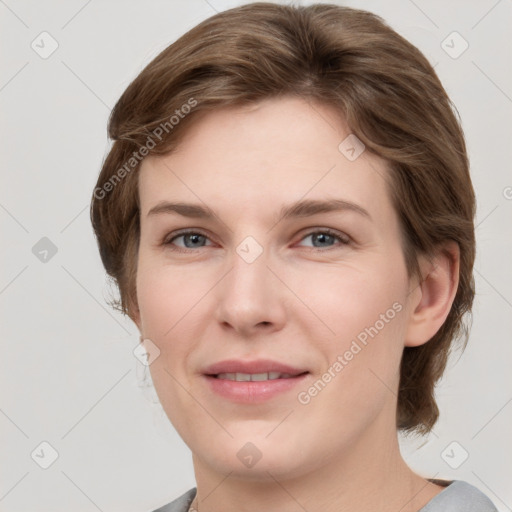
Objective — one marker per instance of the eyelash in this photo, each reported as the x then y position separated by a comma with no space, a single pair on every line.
343,239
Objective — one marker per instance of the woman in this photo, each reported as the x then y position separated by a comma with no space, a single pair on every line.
288,213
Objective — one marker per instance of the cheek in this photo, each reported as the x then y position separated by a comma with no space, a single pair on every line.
346,301
168,298
361,349
165,296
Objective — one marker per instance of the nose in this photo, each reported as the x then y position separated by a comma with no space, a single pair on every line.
251,298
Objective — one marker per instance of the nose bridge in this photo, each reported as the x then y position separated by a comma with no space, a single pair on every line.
249,267
250,294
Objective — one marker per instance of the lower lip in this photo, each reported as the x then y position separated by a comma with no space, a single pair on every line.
250,392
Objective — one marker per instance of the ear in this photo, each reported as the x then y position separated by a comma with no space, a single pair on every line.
432,299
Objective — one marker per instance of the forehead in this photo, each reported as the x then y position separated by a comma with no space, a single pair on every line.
271,153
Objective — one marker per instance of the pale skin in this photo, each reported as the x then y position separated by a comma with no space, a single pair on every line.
302,301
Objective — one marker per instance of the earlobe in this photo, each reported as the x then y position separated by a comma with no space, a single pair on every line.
432,300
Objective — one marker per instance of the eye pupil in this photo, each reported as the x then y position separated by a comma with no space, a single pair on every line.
194,237
321,237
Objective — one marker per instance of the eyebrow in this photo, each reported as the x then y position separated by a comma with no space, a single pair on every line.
303,208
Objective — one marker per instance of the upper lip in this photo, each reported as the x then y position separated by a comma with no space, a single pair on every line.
255,366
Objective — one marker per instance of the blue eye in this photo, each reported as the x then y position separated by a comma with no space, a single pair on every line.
326,238
193,237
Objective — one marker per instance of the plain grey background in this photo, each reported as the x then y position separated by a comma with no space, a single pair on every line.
68,374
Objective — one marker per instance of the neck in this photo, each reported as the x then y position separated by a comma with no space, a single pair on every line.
368,474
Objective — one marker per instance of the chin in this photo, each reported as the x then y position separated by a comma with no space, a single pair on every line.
257,457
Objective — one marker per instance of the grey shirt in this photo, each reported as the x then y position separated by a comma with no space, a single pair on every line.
458,496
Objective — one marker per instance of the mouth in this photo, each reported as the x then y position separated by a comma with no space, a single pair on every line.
254,377
252,381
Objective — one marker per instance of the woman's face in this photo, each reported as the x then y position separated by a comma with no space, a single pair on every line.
321,290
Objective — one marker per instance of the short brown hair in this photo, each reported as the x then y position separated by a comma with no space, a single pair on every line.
348,59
